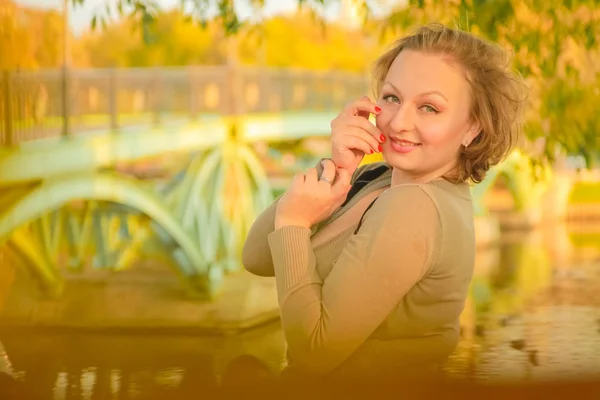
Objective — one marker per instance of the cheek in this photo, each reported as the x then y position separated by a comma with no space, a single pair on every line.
379,121
437,132
384,118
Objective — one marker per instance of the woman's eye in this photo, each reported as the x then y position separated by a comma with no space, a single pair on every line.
429,109
390,98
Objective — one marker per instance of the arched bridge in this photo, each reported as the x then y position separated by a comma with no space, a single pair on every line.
68,141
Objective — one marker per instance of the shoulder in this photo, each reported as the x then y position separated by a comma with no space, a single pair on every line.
437,197
404,221
410,206
407,197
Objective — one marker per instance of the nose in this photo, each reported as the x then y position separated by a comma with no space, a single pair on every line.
403,120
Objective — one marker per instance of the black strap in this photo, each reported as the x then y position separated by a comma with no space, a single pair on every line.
362,180
363,215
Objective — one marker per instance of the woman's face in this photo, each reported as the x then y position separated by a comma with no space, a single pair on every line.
425,115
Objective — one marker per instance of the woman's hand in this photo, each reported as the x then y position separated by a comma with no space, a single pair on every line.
353,135
310,200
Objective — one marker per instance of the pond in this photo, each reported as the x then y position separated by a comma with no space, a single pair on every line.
533,315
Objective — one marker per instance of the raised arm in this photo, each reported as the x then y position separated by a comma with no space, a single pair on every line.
326,321
256,255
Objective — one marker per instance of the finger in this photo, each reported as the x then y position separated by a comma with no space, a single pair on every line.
298,179
365,131
359,127
328,171
373,145
362,107
365,113
342,183
312,176
366,125
358,140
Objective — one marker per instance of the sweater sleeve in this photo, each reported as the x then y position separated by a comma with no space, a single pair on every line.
326,321
256,255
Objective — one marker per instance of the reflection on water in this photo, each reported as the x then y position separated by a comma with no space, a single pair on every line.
534,310
533,314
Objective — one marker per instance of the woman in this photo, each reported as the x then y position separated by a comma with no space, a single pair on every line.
373,264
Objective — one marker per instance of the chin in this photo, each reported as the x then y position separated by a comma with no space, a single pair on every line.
400,163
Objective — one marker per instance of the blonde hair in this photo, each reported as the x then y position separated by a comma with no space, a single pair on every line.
497,93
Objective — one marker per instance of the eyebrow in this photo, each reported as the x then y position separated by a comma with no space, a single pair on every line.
422,94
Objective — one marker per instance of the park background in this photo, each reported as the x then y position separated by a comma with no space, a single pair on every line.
139,140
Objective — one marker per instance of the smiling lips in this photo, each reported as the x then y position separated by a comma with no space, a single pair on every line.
403,146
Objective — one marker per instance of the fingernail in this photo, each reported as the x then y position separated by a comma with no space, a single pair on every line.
377,109
371,151
380,148
382,138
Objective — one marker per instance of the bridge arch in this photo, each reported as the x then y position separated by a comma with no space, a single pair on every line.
53,193
29,251
525,185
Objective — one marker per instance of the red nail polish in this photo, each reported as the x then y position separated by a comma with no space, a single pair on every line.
377,109
382,138
371,151
380,148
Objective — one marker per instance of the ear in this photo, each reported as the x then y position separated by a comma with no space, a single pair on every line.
472,133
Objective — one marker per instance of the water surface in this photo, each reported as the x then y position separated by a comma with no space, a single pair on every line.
533,315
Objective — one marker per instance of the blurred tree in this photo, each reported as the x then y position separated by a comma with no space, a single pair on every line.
28,37
143,12
555,43
172,41
13,40
283,41
297,42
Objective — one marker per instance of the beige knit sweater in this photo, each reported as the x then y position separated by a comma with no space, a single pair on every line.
379,299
